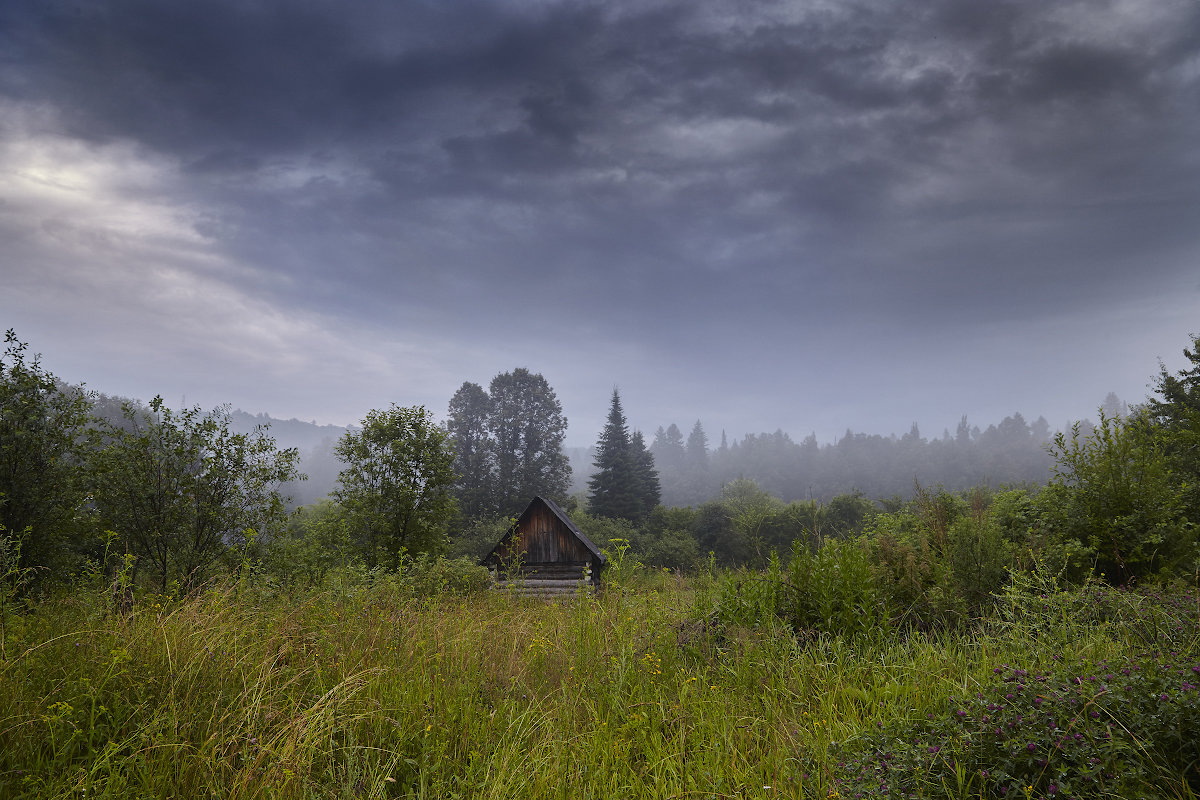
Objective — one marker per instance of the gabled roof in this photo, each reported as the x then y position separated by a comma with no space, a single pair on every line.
562,517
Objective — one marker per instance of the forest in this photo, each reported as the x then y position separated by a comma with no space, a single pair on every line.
771,623
1006,453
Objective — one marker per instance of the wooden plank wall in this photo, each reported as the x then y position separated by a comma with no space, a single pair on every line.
543,539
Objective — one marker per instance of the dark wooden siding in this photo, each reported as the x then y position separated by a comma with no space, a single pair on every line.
542,538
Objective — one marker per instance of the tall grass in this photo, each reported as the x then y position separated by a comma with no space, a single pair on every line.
368,691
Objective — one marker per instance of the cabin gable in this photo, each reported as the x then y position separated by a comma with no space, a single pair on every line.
544,544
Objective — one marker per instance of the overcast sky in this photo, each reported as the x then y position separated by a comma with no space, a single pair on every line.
802,215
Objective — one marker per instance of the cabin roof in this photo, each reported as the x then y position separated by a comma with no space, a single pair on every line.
562,517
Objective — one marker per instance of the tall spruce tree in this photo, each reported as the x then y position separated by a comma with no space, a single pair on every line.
697,448
670,457
668,449
696,481
645,475
613,490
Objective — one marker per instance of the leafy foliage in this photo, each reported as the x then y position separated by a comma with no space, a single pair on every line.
1057,726
180,488
395,487
1115,503
317,540
474,453
831,589
527,427
42,426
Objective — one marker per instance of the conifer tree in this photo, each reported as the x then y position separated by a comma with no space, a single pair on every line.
1175,412
668,449
696,483
697,447
613,491
645,475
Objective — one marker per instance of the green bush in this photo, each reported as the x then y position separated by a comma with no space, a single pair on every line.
912,572
430,576
1056,727
831,589
1114,506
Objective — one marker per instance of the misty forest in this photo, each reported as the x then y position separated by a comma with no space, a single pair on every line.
217,604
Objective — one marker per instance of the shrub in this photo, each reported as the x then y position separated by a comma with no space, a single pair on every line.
429,576
1122,727
1114,498
830,589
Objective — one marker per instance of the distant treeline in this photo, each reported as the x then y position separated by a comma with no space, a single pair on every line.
1011,452
692,472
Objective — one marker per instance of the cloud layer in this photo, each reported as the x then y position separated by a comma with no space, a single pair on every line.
814,216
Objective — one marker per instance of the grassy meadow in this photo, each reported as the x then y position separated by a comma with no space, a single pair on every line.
364,689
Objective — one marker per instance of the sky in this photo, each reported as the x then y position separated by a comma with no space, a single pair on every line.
814,216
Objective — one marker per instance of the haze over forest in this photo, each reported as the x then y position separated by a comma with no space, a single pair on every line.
693,469
804,217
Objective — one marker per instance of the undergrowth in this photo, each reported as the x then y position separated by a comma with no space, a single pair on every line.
368,689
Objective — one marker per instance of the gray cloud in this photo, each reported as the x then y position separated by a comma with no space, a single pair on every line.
737,199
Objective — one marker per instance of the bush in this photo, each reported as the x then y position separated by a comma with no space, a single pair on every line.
830,589
1124,727
428,576
317,539
1115,505
475,539
913,573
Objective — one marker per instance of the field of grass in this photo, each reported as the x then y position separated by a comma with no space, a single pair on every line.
361,690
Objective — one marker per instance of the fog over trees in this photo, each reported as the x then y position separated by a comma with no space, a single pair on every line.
692,470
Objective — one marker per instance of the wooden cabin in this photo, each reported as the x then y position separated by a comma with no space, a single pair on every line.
544,553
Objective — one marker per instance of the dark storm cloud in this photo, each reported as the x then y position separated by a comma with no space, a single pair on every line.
685,176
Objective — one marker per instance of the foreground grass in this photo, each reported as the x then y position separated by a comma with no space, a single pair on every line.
366,693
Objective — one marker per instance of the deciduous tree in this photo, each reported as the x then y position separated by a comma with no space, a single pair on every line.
1113,501
527,428
396,485
180,489
474,456
42,423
